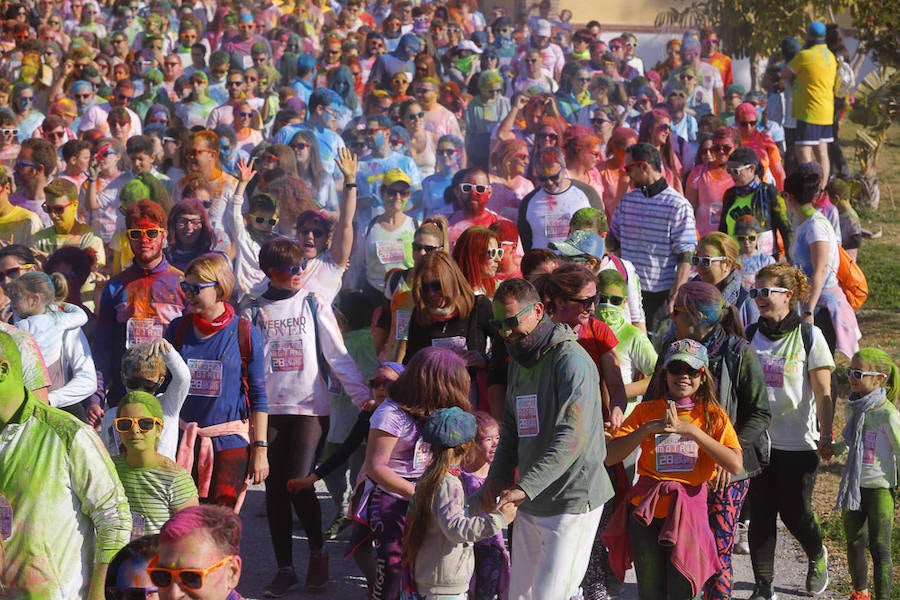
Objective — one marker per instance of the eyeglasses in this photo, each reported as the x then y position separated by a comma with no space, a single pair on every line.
182,223
859,374
191,579
415,116
56,210
765,292
607,299
397,141
735,171
9,131
151,234
316,233
680,368
493,253
721,149
467,188
378,382
598,121
265,220
15,272
426,248
145,424
55,135
710,42
747,123
448,152
431,286
745,238
523,157
706,261
510,323
586,303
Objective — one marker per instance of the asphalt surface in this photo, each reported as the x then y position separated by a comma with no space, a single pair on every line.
347,583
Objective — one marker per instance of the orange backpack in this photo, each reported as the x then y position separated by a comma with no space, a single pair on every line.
852,280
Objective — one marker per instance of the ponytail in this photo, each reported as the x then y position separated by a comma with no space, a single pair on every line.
877,359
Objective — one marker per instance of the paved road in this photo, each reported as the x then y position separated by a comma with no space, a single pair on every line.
347,583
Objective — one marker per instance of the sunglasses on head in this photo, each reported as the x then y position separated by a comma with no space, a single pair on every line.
151,234
431,286
607,299
512,322
468,188
858,374
191,579
145,424
194,289
495,253
426,248
765,292
680,368
706,261
745,238
14,272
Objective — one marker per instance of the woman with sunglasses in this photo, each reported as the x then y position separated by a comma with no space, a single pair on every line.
155,485
23,105
701,314
247,124
478,254
746,118
484,112
309,168
797,366
304,354
422,142
685,437
717,262
9,138
708,180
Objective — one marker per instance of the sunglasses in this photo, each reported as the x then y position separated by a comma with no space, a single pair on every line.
494,253
393,193
265,220
194,289
235,83
151,234
747,123
606,299
56,210
316,233
431,286
426,248
858,374
195,152
378,382
145,424
735,171
597,121
548,136
415,116
706,261
14,272
191,579
9,131
119,123
586,303
294,270
510,323
550,178
300,146
245,115
745,238
448,152
468,188
55,135
721,149
679,368
765,292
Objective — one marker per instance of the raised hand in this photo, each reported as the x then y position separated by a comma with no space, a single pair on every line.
347,163
246,170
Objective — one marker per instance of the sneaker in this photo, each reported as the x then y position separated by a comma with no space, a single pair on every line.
859,595
317,571
285,580
337,527
761,592
817,575
741,544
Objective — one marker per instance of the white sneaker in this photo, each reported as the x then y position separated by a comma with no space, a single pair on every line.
741,545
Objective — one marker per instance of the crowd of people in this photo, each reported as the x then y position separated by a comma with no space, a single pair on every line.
467,270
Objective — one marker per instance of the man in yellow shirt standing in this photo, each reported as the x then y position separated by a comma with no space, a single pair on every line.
813,72
17,225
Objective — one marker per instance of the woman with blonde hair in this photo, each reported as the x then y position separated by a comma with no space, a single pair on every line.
482,115
717,261
247,125
509,162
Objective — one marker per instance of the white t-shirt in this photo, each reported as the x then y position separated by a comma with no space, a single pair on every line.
786,367
386,250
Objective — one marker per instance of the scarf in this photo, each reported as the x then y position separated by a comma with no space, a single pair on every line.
612,315
848,490
680,403
527,350
443,314
776,331
207,328
760,202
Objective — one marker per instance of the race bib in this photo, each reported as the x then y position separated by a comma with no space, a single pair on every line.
286,355
138,525
6,519
142,331
868,457
206,377
456,343
766,242
773,369
556,227
421,454
527,416
401,331
390,252
674,453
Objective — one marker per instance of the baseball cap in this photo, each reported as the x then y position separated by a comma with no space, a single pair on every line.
581,242
468,45
543,28
816,30
690,352
395,175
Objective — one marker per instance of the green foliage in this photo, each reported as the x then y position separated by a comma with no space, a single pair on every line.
877,24
881,263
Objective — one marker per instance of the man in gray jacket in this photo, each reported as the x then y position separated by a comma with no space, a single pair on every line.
552,431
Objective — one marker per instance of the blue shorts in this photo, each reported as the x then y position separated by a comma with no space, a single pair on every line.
811,135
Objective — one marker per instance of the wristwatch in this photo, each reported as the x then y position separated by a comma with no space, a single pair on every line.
260,444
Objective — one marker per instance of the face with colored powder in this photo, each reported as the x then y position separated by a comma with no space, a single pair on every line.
146,239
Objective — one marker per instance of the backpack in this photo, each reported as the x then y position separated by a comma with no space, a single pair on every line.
245,345
846,78
852,280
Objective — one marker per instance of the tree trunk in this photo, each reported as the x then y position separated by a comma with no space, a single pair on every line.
754,72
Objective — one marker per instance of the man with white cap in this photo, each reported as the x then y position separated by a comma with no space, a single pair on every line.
813,73
552,55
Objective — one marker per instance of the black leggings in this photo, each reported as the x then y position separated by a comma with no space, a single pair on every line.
294,442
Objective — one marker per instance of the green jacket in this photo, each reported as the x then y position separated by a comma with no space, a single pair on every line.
552,429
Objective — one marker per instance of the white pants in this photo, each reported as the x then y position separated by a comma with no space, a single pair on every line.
550,554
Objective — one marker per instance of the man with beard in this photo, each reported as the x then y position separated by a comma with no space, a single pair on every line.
472,191
137,304
503,42
552,56
549,433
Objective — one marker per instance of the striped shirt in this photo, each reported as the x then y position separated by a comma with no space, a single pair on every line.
154,493
652,232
